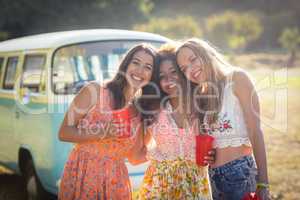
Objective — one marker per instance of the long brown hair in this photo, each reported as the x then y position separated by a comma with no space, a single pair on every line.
215,68
167,52
119,82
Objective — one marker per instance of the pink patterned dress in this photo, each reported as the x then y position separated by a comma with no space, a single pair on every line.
173,172
96,170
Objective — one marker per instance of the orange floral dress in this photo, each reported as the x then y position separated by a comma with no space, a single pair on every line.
97,170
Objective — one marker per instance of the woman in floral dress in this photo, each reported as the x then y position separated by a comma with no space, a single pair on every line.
173,172
96,169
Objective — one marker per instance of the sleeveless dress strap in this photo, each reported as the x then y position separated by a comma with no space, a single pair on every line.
105,100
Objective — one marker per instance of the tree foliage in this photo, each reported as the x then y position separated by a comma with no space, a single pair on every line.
290,40
179,28
22,17
26,17
232,30
3,36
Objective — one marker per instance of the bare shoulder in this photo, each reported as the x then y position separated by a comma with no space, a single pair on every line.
89,89
87,95
241,76
242,82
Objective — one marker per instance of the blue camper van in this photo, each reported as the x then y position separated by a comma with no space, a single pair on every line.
39,76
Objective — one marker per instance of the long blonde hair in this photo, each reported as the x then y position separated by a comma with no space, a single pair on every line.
215,68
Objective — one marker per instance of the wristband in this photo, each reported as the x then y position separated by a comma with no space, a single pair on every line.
262,186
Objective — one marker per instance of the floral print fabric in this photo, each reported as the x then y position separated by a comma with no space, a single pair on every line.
96,170
173,172
176,179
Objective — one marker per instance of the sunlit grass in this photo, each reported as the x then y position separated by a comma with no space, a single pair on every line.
283,145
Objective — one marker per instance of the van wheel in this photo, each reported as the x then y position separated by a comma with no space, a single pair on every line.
34,187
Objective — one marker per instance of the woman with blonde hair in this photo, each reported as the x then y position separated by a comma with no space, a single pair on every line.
226,102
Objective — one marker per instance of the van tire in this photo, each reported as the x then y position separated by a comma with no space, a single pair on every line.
34,188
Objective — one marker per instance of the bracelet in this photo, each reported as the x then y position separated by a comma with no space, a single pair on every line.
262,186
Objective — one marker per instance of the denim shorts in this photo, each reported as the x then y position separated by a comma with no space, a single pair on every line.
234,179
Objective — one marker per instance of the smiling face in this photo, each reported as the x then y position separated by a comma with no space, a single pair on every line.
191,65
169,79
140,69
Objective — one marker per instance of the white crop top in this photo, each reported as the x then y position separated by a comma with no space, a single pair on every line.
230,129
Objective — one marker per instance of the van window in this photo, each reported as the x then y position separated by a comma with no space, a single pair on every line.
10,73
32,71
75,65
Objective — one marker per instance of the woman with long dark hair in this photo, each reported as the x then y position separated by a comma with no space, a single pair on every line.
170,139
96,168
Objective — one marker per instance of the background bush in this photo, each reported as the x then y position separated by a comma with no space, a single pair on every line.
179,28
232,30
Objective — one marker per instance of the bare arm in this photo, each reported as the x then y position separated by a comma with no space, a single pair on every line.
82,103
138,153
245,91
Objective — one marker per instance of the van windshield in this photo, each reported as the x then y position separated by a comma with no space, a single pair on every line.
75,65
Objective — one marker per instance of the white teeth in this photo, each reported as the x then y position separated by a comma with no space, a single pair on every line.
136,78
172,85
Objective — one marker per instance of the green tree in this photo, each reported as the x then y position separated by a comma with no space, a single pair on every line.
290,40
23,17
179,28
3,35
232,30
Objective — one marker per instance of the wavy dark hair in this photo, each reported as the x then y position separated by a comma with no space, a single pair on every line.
166,52
119,82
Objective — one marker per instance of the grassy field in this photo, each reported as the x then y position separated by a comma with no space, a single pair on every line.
279,91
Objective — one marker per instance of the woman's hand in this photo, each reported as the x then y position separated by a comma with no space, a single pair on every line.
109,130
101,130
211,157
